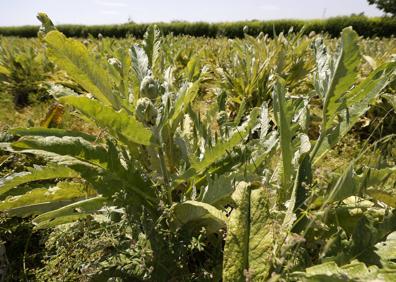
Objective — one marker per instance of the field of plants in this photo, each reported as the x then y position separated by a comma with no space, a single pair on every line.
178,158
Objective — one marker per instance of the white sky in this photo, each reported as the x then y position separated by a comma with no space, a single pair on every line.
23,12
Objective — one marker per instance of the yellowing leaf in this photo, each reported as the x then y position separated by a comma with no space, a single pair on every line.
249,240
72,56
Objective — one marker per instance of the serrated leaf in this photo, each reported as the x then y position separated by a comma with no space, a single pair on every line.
40,200
125,72
342,77
372,177
220,149
152,47
69,213
106,182
323,61
140,63
40,173
363,95
344,102
72,56
185,97
119,123
357,102
283,113
378,184
73,146
56,132
328,268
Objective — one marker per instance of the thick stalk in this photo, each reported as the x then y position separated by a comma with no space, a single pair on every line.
165,175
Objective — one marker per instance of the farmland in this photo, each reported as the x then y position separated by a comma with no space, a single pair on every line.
178,158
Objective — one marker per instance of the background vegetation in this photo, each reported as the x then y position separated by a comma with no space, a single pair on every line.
367,27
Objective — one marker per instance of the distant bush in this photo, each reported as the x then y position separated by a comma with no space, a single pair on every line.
367,27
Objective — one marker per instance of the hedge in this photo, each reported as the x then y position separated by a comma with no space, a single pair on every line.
367,27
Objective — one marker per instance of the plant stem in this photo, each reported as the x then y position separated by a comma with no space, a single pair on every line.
164,172
317,146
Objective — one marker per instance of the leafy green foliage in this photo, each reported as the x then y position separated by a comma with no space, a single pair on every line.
343,101
98,243
194,156
135,164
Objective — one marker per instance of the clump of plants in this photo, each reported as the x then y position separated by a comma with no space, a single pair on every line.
24,72
226,196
